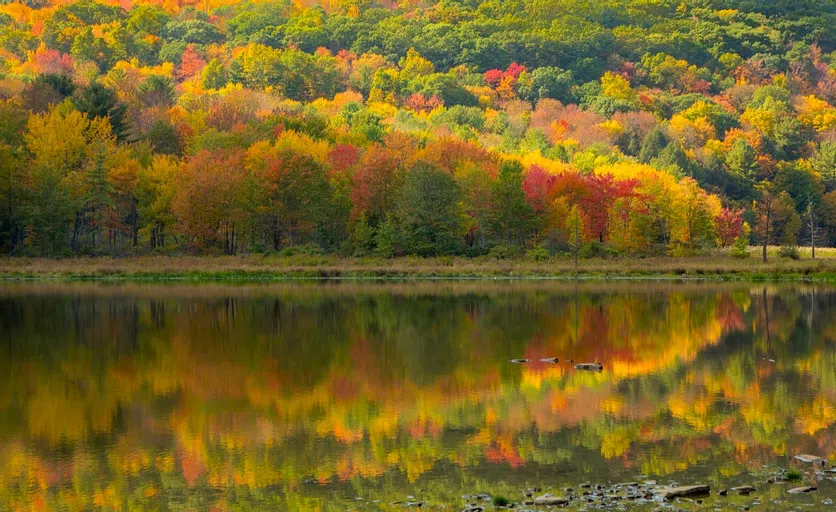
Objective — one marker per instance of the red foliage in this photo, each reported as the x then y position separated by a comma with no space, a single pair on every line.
191,63
374,182
537,185
729,225
494,77
52,61
420,103
449,153
570,185
603,190
342,157
701,87
515,70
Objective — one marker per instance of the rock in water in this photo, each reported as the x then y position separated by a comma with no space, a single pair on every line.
592,367
806,488
685,491
518,361
744,489
551,501
811,459
549,360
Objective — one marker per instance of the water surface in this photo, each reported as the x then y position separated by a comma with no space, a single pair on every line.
351,396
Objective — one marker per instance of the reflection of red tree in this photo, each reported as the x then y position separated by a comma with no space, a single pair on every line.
191,466
498,453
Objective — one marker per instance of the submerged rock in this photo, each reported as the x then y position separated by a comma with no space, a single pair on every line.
592,367
800,490
744,489
685,491
549,360
549,500
811,459
519,361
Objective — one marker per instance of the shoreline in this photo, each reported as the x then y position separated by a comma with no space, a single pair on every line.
257,268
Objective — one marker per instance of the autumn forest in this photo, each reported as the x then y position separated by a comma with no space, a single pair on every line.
462,127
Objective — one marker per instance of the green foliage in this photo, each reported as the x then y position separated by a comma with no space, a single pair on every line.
356,93
97,101
363,237
503,252
538,254
740,249
386,238
428,209
789,252
593,249
501,501
741,161
793,475
514,219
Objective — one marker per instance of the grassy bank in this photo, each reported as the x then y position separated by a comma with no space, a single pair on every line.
258,267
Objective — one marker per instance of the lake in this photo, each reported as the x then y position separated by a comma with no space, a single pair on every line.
357,395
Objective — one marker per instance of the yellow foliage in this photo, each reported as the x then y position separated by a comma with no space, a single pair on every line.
612,126
616,86
816,113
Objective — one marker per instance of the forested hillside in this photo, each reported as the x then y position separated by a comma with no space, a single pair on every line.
463,127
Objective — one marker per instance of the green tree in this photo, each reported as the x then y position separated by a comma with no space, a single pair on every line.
362,237
824,163
513,217
429,212
214,75
741,161
652,145
386,238
96,100
575,227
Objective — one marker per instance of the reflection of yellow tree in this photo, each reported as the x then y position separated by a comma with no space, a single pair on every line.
255,413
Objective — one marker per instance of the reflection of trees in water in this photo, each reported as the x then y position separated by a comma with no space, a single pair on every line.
267,389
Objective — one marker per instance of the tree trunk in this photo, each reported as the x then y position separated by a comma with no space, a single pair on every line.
766,233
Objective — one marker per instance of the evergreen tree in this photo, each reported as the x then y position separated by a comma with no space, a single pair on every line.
99,101
652,145
513,217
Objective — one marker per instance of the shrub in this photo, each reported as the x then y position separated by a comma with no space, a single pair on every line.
502,252
793,474
295,250
741,243
591,250
538,254
501,501
789,251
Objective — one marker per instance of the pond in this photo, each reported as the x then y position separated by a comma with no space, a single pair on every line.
371,396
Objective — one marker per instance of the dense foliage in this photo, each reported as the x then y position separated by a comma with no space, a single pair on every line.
463,127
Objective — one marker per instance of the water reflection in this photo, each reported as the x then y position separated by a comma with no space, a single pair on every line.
304,396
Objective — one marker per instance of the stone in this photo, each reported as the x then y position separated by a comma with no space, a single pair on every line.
550,501
549,360
800,490
591,367
744,489
474,509
685,491
811,459
519,361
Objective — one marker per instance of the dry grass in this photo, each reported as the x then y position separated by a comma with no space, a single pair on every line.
273,267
